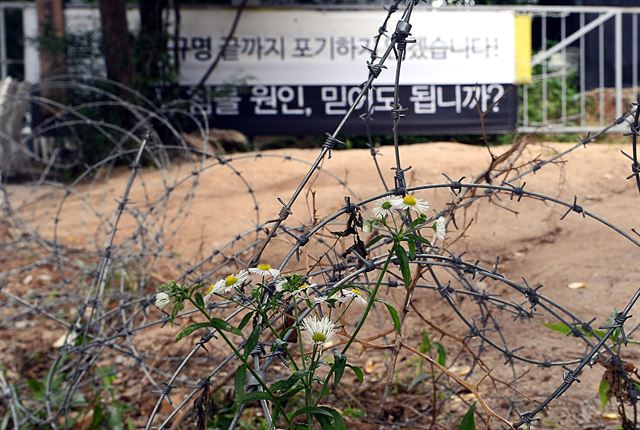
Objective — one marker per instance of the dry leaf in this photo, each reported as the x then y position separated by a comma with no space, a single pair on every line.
65,339
371,366
468,397
610,415
460,370
45,277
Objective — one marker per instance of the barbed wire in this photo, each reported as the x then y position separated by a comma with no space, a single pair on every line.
101,293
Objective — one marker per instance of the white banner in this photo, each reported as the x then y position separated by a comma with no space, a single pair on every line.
312,47
307,47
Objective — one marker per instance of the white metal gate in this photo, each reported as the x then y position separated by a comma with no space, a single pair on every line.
580,109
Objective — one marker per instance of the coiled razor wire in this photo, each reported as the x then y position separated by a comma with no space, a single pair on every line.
105,294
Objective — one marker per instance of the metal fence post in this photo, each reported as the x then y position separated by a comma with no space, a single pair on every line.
618,47
3,46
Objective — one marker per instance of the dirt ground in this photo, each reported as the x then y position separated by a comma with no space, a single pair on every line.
528,237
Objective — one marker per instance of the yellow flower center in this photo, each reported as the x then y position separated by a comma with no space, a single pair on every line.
354,291
319,337
230,280
409,200
264,267
210,289
302,287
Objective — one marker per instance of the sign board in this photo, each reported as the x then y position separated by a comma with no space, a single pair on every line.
297,71
306,109
308,47
284,65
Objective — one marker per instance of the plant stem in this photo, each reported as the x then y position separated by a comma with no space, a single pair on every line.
363,318
244,361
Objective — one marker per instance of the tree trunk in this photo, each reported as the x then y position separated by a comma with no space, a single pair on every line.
152,44
51,45
115,40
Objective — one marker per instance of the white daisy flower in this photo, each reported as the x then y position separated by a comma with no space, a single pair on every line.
280,285
162,300
412,203
227,284
319,300
303,287
264,270
385,206
318,331
351,294
236,280
217,288
440,229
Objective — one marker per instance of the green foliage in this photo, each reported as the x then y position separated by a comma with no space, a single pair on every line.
403,261
298,397
358,372
469,421
340,362
106,408
427,347
567,330
604,392
554,98
397,324
442,354
354,412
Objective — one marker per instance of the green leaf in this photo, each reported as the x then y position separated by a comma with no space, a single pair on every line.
425,345
254,337
338,422
311,410
224,326
442,354
340,361
423,240
190,329
561,328
403,260
98,417
325,423
245,320
373,241
239,381
604,392
177,307
469,421
357,371
197,297
421,219
36,387
394,316
566,330
354,412
412,248
286,384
